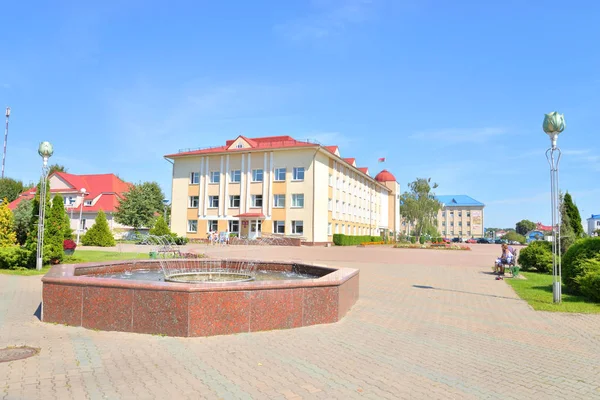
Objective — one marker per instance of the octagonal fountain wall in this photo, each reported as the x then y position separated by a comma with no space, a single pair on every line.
82,295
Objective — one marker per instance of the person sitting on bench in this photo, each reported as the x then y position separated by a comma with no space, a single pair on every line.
505,258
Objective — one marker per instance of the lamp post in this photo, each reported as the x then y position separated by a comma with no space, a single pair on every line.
45,151
5,140
554,123
82,191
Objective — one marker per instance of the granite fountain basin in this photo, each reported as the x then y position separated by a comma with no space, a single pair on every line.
86,295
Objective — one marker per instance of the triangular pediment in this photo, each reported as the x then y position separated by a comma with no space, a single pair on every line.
241,143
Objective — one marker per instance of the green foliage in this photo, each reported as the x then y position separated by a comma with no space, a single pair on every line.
11,188
8,236
574,217
138,206
54,231
22,218
514,236
524,226
418,206
32,235
567,234
576,262
538,256
56,168
413,240
160,228
347,240
14,257
589,282
422,239
99,234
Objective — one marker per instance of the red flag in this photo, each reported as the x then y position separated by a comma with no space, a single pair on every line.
382,159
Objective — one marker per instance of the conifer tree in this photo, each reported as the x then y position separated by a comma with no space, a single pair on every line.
574,217
160,228
54,229
8,237
99,234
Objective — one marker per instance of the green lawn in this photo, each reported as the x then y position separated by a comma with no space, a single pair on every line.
537,291
81,256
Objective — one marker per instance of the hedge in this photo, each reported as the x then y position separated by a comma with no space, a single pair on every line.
538,256
13,257
347,240
576,262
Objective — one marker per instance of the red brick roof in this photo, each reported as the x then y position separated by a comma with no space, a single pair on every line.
104,189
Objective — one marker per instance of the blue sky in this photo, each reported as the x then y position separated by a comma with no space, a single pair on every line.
455,91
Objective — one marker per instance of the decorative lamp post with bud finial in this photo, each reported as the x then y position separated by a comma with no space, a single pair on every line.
45,151
554,124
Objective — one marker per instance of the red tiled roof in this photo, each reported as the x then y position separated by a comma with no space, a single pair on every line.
105,189
250,215
331,149
541,227
364,170
350,160
385,176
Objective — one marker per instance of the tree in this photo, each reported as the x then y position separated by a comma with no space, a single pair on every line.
11,188
99,234
22,218
419,206
139,205
160,228
514,236
567,234
525,226
54,231
8,236
32,235
574,217
57,168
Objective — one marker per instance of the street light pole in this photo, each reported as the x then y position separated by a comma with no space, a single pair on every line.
45,151
554,123
5,140
82,191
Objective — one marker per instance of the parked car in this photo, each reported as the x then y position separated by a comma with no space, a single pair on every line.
446,240
483,240
471,241
513,242
456,240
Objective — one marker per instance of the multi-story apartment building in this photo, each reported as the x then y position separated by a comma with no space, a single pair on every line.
593,225
460,216
279,185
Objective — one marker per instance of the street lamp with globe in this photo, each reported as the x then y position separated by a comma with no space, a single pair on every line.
554,124
45,151
79,227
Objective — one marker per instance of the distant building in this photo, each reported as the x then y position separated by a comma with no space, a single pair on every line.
593,224
103,192
536,234
461,216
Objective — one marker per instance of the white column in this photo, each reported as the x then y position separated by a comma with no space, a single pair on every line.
205,199
226,182
248,178
200,188
221,189
242,183
264,186
270,193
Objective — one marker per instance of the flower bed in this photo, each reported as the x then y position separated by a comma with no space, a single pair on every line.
371,243
432,246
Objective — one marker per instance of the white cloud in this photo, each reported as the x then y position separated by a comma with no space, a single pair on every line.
457,135
329,18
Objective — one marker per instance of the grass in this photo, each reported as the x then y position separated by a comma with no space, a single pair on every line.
80,256
537,291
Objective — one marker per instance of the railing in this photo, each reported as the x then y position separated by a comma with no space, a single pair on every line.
269,144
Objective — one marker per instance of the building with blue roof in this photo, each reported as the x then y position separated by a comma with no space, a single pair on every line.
593,224
460,216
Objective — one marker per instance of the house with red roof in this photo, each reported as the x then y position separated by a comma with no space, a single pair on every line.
84,195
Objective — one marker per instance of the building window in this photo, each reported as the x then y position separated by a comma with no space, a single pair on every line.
452,213
298,200
451,223
239,146
460,214
298,174
192,226
87,203
459,223
215,177
468,223
468,214
330,180
297,227
279,227
279,200
193,203
343,207
257,175
337,228
443,223
329,229
213,225
213,201
233,226
257,200
329,204
343,229
194,178
280,174
235,176
234,201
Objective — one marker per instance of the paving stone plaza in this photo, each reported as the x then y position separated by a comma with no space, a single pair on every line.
427,324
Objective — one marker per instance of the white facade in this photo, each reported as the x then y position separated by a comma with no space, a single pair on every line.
593,224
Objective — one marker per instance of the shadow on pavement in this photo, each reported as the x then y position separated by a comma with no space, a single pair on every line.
38,312
462,291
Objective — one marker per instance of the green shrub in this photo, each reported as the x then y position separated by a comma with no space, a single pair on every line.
538,256
99,234
422,239
160,228
589,282
413,239
14,257
348,240
576,262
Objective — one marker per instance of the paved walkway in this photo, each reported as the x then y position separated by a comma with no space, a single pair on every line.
428,324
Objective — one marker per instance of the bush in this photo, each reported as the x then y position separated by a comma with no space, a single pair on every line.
589,283
576,262
422,239
347,240
538,256
413,240
160,228
514,236
14,257
99,234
